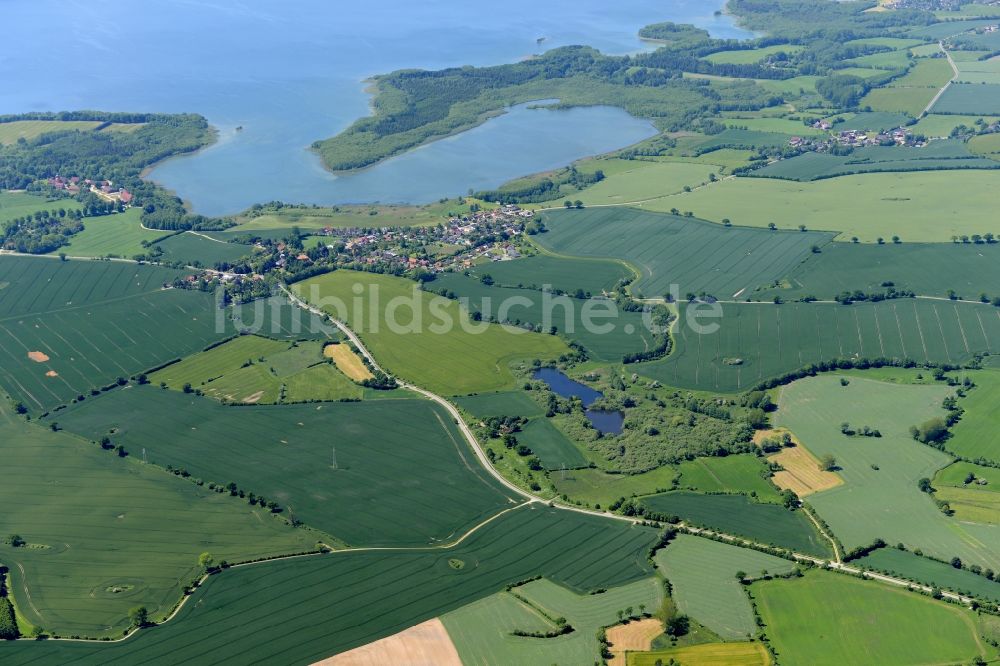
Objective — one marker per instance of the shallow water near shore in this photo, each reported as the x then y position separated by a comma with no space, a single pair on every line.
292,73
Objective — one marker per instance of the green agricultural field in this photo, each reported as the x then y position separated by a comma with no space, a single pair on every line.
67,327
955,475
117,534
645,180
871,120
880,497
919,206
702,575
924,570
278,318
29,129
782,125
926,73
946,29
911,101
986,144
706,654
253,370
740,474
338,217
939,125
364,596
738,138
826,618
393,458
482,632
755,342
198,250
507,403
668,250
464,358
599,488
20,204
972,504
894,43
748,56
888,60
967,98
119,235
564,273
576,319
552,447
739,515
977,434
926,269
939,155
971,491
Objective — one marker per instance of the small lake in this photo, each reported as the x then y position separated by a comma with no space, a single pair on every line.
526,139
293,72
606,421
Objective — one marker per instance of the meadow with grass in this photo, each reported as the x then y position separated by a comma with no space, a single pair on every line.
880,497
824,618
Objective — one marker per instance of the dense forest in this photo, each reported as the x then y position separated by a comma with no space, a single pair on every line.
119,157
414,106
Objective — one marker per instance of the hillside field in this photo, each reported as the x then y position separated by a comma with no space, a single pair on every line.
393,457
435,343
667,250
117,534
564,273
90,323
364,596
918,206
757,341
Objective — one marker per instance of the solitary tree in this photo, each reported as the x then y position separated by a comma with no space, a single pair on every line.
139,616
16,541
828,463
205,561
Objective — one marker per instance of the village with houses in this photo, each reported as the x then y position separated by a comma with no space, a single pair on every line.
103,189
461,242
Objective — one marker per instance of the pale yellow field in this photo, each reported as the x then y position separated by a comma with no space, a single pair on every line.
348,362
709,654
634,636
426,643
29,129
801,473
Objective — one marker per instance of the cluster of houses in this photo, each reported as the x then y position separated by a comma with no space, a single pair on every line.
105,189
854,138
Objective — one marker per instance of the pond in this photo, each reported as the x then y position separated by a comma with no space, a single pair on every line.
606,421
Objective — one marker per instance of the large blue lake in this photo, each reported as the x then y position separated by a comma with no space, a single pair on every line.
292,72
